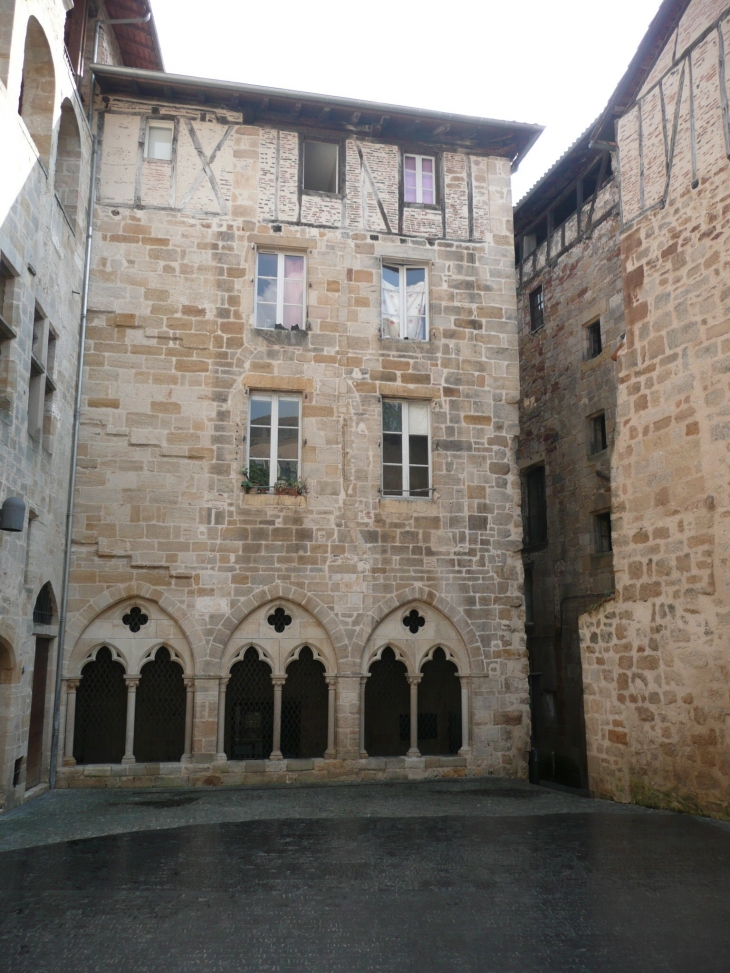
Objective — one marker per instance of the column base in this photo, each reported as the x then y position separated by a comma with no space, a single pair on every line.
276,755
363,755
330,755
414,752
187,758
465,752
69,762
220,758
128,761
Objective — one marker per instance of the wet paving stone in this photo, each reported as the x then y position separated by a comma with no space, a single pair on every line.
585,891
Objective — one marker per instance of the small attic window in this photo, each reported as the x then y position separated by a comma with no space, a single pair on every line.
158,144
321,164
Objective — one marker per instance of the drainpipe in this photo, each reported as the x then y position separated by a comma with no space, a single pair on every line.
77,406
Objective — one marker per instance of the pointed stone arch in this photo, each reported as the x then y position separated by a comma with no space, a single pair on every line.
7,23
36,104
81,620
67,175
269,596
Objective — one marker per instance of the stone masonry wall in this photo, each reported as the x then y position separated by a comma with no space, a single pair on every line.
656,661
172,356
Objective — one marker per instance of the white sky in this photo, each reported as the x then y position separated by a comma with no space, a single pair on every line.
554,62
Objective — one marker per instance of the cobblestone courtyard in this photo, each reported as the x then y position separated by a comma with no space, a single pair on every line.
483,876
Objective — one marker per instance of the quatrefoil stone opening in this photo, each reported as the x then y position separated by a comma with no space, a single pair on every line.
413,621
135,619
279,620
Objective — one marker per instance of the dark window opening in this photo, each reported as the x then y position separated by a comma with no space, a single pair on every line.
599,440
159,725
594,342
249,728
564,210
604,542
304,714
387,707
541,232
17,771
439,707
537,309
529,598
6,279
101,712
43,609
535,507
321,163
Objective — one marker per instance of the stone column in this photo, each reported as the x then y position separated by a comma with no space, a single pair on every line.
68,750
330,753
413,681
363,751
465,750
278,682
189,710
221,742
132,683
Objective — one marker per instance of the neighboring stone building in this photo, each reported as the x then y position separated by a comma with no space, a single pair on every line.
656,662
320,292
44,178
570,312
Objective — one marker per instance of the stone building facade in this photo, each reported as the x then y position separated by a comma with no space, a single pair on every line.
44,178
655,657
570,314
347,268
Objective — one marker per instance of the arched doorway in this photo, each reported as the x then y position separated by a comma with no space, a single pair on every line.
101,711
159,725
249,730
68,162
387,707
439,707
304,708
38,89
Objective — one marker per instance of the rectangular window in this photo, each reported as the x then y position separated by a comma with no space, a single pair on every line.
594,345
529,598
535,507
321,167
599,440
158,144
6,287
404,303
274,442
537,309
280,291
420,179
604,543
37,382
406,449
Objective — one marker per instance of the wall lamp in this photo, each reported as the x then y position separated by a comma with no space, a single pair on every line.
12,515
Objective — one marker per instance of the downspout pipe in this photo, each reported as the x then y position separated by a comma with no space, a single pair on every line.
77,406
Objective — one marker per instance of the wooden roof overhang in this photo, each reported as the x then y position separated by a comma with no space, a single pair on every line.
138,43
327,113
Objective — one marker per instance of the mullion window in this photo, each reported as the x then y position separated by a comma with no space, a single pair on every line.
404,302
406,449
280,291
274,439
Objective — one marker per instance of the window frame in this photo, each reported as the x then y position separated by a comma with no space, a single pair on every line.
419,157
592,422
527,517
159,123
10,278
41,384
405,493
275,398
339,169
590,353
403,268
598,518
538,294
281,255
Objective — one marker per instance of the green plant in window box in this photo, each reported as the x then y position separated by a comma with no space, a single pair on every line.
255,481
290,488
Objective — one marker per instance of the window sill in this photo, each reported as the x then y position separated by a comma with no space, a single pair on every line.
429,207
409,504
272,500
403,344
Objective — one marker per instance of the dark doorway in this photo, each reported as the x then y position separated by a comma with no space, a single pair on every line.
387,708
37,713
249,733
159,725
439,707
304,708
101,711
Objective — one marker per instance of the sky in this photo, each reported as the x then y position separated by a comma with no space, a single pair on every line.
553,62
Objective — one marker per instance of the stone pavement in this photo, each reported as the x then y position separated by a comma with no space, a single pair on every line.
470,876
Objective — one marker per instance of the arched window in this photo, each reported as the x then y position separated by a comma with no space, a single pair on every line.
38,89
101,711
387,708
43,608
159,725
439,707
68,162
304,708
249,733
7,19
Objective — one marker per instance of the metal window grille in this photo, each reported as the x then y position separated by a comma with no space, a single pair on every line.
537,309
249,732
535,507
387,700
43,609
159,725
439,707
304,708
101,712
